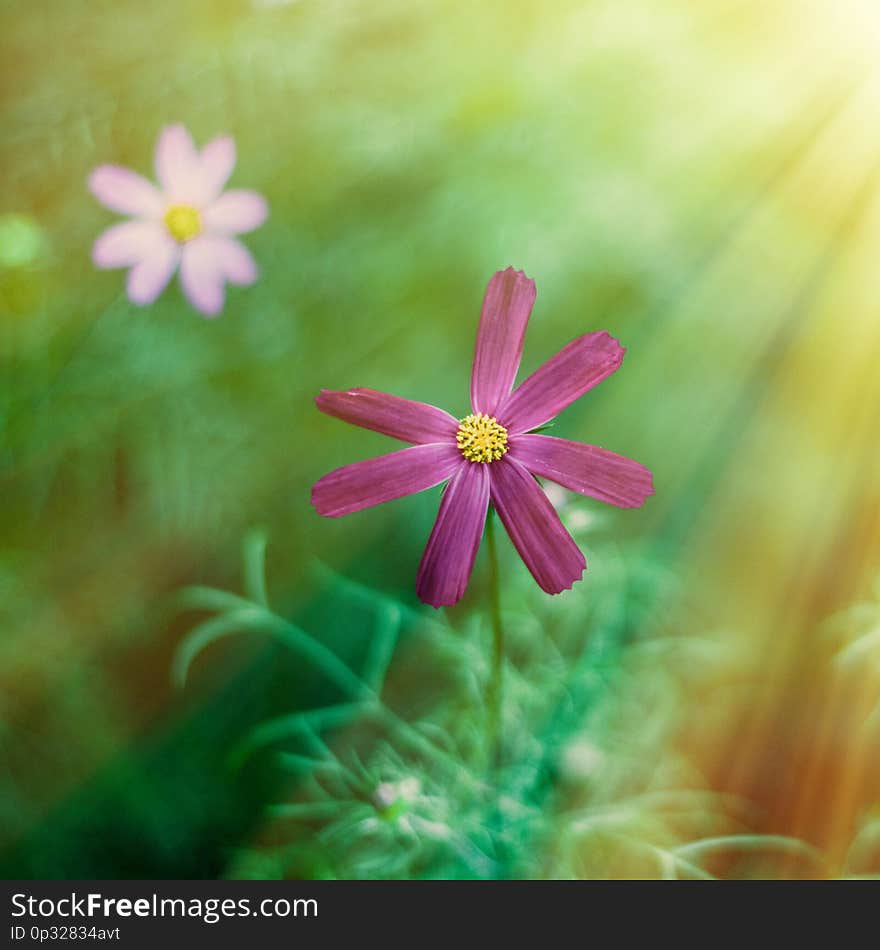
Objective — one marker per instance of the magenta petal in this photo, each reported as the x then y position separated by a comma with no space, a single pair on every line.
449,555
377,480
503,320
587,469
547,549
400,418
574,370
122,190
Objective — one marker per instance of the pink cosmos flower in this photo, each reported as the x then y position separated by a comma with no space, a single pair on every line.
186,222
492,455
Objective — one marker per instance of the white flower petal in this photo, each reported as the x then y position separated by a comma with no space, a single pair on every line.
217,160
123,190
238,265
178,166
128,243
147,279
236,212
201,275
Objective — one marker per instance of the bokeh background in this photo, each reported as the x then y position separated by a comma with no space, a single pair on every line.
699,177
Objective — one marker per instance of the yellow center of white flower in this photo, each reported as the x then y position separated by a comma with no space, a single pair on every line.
183,223
481,438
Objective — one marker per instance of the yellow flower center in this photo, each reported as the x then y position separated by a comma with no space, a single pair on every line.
183,223
481,438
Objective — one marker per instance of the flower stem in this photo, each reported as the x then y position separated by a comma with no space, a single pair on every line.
496,683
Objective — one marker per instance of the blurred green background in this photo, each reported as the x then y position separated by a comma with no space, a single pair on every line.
698,178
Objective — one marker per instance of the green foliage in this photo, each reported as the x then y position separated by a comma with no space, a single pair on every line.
381,786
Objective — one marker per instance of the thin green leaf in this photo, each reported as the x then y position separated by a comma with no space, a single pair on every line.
255,566
381,646
767,843
203,636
